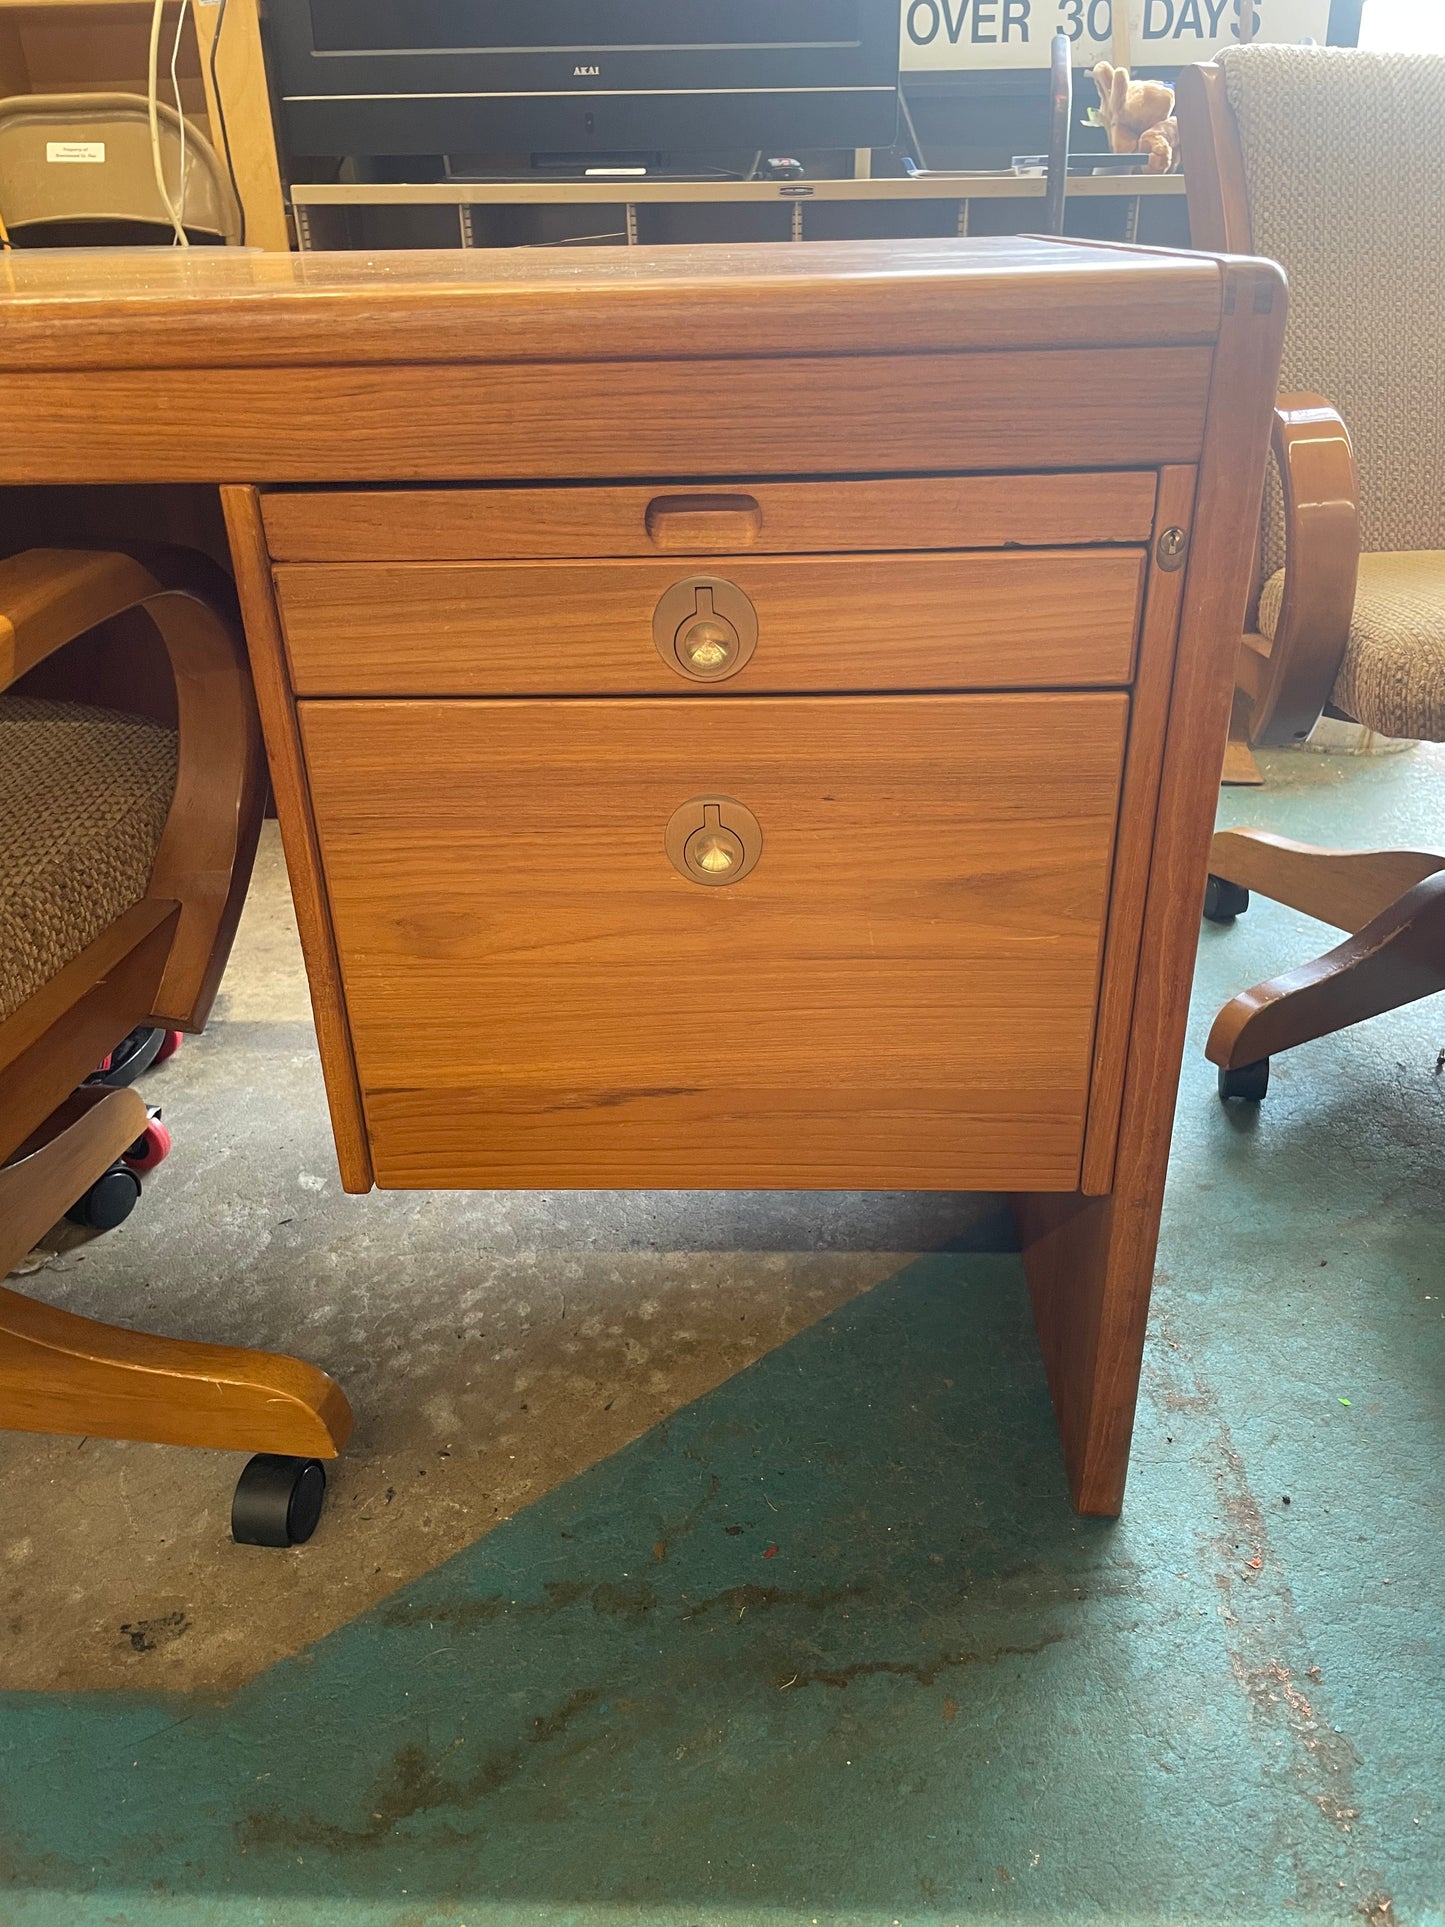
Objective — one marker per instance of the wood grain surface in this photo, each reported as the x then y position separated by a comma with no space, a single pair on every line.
900,995
1348,888
214,308
1091,1260
769,518
1149,718
1215,181
827,413
50,596
1396,958
1288,680
239,100
906,990
1007,619
288,781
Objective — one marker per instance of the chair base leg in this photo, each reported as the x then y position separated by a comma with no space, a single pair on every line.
1344,887
61,1373
1240,767
1396,958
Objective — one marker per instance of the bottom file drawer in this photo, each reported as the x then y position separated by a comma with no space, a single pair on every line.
898,992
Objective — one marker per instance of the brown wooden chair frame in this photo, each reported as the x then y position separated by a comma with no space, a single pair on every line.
1286,679
158,963
1391,901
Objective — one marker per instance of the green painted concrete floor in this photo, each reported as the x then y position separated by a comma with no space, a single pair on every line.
706,1562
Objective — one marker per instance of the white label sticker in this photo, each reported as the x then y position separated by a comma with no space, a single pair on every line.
957,35
75,150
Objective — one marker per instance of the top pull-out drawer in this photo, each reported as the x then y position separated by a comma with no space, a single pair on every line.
1000,619
763,518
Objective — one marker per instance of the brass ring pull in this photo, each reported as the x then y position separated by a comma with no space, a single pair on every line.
713,840
705,628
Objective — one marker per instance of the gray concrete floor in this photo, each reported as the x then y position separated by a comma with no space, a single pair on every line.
492,1345
704,1561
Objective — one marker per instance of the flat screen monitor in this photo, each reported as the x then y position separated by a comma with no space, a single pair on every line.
584,77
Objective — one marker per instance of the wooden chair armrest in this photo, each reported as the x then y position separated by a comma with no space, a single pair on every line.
209,844
1316,463
49,597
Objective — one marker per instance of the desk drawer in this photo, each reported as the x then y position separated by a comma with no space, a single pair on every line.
899,994
500,524
1000,619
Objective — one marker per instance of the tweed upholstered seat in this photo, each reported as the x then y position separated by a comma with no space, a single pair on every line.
83,800
1344,165
1393,676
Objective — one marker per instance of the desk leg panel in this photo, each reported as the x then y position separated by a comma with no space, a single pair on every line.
1090,1260
298,835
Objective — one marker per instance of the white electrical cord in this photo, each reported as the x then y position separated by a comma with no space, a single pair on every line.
153,88
181,12
912,131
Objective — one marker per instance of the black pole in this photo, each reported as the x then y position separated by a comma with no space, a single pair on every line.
1061,108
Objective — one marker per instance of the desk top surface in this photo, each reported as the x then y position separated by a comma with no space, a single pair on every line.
198,308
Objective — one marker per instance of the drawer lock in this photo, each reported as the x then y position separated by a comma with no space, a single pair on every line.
705,628
713,839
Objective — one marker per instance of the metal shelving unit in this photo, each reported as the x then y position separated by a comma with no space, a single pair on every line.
316,205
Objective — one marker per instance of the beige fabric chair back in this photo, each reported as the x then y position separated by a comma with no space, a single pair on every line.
85,159
1344,164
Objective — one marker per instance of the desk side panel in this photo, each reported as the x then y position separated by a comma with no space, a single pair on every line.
298,835
1090,1260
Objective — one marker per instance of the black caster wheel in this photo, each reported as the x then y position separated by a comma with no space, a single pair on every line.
109,1201
1224,901
1248,1082
278,1501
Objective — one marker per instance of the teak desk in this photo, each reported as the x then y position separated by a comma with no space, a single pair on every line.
738,717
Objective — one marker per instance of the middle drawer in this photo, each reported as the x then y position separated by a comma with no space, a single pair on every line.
978,620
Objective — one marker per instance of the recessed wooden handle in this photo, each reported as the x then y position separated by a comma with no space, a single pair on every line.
709,524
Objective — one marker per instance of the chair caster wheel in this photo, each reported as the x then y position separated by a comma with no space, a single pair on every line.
1248,1082
278,1501
135,1052
151,1148
109,1201
1224,901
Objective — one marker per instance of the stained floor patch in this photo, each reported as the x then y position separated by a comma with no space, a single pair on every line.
881,1667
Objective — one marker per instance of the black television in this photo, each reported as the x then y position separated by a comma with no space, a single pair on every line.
584,77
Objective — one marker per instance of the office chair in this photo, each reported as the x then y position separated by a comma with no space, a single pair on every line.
125,851
1333,162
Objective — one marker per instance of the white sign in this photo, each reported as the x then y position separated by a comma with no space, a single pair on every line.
75,151
950,36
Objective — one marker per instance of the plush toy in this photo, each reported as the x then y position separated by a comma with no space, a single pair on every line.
1138,116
